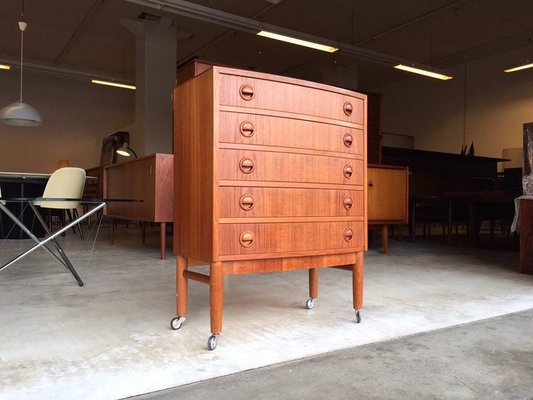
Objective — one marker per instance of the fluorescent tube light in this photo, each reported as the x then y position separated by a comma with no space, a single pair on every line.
424,72
528,64
299,42
4,66
114,84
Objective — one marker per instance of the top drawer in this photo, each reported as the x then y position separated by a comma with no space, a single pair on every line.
241,91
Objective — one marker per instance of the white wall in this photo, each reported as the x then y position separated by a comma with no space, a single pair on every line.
497,104
76,116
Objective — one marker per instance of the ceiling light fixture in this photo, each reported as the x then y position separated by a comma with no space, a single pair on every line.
425,72
114,84
6,67
299,42
232,21
519,67
19,113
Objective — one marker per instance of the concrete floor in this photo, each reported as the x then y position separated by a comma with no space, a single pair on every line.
111,338
490,359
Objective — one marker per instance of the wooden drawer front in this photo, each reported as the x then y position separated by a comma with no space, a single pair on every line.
238,239
249,165
250,202
288,132
247,92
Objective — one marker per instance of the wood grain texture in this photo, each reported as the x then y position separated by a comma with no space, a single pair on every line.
267,130
263,169
290,237
289,167
289,202
149,179
291,96
193,167
387,194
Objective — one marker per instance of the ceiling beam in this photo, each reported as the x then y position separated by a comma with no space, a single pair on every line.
78,30
218,17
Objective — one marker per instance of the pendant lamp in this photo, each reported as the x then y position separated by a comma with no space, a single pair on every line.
20,113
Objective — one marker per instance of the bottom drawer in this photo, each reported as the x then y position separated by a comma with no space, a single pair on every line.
243,239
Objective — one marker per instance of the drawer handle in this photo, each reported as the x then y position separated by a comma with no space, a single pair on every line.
247,202
246,166
247,129
348,171
247,239
348,140
370,183
348,203
247,92
348,235
347,108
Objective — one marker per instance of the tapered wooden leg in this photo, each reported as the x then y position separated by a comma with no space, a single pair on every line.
313,283
112,230
385,238
357,276
162,238
216,293
182,286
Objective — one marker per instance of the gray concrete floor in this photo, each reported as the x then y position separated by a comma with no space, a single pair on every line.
111,338
489,359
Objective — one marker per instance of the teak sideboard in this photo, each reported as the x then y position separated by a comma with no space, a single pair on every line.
388,198
271,177
148,178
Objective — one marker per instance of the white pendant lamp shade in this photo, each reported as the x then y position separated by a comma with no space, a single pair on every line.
20,114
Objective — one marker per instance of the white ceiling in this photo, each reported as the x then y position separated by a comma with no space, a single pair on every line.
87,34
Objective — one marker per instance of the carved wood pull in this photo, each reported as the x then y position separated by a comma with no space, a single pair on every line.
246,166
347,108
348,140
247,202
247,129
348,203
247,92
246,239
348,235
348,171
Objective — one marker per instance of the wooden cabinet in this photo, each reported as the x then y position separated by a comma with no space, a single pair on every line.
150,179
271,177
388,197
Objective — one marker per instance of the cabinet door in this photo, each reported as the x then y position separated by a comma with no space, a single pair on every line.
387,195
133,180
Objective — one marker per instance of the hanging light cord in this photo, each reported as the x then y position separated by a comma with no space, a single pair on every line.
22,27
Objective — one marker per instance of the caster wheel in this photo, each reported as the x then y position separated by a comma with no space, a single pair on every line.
175,323
357,316
310,303
212,342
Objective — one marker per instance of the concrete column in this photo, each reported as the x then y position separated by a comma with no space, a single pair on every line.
155,77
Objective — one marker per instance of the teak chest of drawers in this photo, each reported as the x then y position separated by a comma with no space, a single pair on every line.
270,175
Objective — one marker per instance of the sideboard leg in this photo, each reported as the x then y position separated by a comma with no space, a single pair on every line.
163,238
357,276
313,283
182,286
216,292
